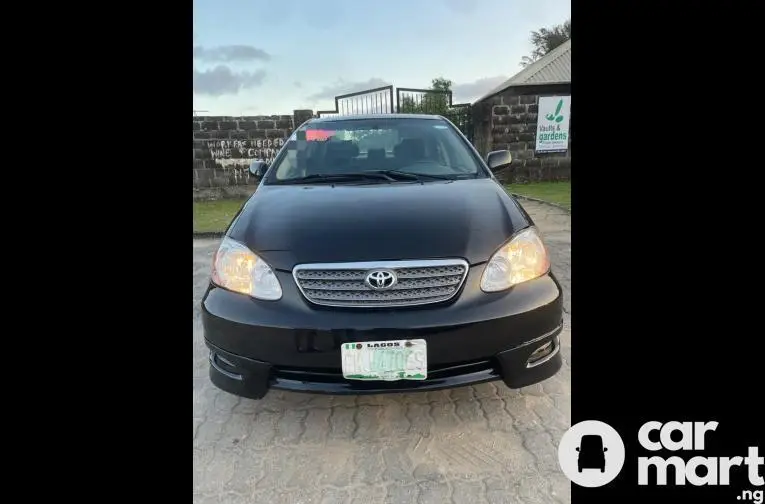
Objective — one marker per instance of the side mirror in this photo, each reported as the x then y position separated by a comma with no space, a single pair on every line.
605,449
499,160
258,168
577,448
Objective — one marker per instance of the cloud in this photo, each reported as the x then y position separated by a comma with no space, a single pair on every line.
473,90
342,87
230,54
298,84
221,80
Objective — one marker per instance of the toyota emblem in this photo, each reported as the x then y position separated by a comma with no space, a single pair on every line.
381,279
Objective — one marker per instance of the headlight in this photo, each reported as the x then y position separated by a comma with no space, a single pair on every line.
238,269
521,259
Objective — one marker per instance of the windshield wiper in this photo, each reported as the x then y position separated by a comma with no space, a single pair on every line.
411,175
338,177
386,175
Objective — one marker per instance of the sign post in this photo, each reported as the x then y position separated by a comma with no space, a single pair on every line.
553,123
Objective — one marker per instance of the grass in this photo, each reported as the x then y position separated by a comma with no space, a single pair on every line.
215,216
554,192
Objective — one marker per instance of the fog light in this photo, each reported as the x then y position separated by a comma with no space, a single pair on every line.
225,361
224,366
543,353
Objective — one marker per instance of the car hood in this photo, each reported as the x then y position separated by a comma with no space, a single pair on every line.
293,224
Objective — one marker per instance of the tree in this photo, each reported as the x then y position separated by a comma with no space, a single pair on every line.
547,39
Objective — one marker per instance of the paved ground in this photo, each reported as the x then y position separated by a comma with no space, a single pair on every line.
482,444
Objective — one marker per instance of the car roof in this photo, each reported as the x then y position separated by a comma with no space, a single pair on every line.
356,117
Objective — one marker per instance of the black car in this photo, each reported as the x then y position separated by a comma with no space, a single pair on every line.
379,254
592,453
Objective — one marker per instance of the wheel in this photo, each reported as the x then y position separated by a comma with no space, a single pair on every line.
603,469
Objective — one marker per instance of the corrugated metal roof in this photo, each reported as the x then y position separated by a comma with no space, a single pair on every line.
553,68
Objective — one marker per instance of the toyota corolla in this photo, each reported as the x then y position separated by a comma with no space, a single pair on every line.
379,254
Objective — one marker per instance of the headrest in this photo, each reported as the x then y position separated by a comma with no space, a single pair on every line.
344,149
411,147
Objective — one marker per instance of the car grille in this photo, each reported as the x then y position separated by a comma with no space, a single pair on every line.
344,284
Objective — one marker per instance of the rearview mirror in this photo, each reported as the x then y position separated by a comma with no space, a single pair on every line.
605,449
499,160
577,448
258,168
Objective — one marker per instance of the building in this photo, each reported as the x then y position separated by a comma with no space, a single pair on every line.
508,118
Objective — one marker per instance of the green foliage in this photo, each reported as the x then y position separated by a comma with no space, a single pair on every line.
547,39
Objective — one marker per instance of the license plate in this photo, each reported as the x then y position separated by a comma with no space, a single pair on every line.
385,360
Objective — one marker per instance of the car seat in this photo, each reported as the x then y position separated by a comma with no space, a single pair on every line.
376,159
409,151
339,156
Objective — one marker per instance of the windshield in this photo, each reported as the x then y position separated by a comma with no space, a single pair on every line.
590,443
422,147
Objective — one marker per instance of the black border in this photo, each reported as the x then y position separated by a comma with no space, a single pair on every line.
660,330
103,113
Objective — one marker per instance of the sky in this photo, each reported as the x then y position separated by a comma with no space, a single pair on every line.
263,57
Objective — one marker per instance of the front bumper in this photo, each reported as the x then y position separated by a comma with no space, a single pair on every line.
293,345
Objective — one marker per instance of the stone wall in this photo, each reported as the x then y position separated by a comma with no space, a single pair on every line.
509,121
224,147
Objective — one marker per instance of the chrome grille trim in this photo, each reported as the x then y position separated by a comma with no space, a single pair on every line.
420,282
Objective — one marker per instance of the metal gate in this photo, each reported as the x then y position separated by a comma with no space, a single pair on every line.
372,101
408,101
435,101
